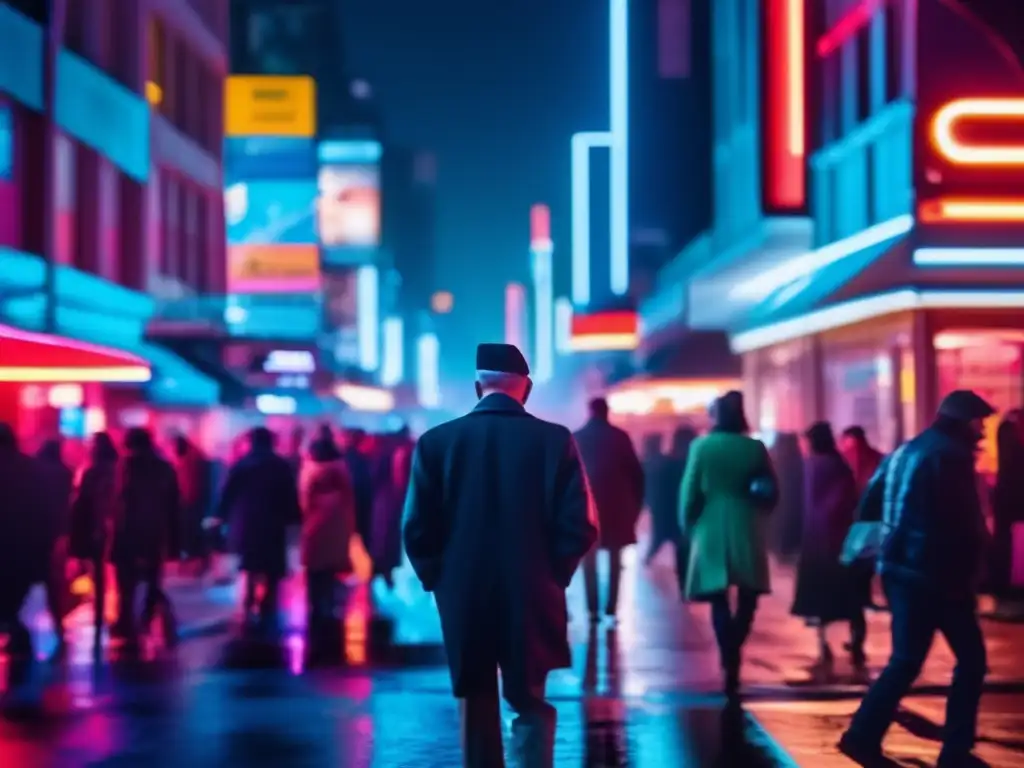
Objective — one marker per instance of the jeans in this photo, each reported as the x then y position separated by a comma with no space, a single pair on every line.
533,730
590,579
917,614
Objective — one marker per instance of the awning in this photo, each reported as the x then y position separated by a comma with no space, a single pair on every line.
42,358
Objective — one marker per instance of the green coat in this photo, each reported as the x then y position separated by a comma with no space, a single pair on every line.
727,531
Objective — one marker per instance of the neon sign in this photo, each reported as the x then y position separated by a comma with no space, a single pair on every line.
958,152
290,361
785,125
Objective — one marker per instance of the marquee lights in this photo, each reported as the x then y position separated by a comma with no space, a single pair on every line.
969,257
975,209
869,307
108,375
956,151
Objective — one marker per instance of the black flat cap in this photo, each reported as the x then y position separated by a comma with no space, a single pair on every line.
501,358
965,405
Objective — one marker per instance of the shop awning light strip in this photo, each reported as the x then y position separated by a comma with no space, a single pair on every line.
127,374
870,307
969,257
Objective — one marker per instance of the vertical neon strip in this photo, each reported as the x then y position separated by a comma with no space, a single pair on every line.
619,125
785,146
563,325
544,311
368,320
428,378
391,371
515,306
582,143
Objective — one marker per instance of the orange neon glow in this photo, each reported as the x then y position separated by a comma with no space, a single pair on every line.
667,395
972,209
786,120
849,25
605,323
605,342
124,374
947,143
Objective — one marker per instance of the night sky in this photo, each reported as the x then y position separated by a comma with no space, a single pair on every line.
495,90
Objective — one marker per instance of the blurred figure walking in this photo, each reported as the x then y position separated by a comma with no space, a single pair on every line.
59,482
862,457
497,520
664,474
328,523
145,534
932,540
93,511
192,471
825,588
728,490
616,480
259,501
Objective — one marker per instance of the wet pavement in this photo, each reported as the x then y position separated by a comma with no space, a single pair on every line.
643,693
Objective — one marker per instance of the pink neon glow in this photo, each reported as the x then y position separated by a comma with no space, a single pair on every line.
515,306
540,223
786,120
856,18
16,334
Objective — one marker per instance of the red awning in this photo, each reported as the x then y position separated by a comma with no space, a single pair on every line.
42,358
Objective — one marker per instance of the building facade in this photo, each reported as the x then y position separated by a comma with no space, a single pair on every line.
111,119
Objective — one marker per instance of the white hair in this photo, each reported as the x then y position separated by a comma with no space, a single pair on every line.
499,381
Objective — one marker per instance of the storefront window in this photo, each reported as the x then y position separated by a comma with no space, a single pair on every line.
784,390
988,363
859,391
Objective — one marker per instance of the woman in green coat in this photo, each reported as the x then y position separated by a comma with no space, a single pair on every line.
727,490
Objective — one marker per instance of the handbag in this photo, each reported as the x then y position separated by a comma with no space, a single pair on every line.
764,491
863,541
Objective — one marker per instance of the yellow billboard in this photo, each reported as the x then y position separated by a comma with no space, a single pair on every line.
273,268
270,105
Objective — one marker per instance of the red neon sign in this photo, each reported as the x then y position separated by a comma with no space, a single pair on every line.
786,119
848,26
959,152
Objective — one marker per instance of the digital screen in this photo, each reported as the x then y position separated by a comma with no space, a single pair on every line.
271,212
6,143
72,422
249,159
349,206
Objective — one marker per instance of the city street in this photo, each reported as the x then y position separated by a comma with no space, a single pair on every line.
643,693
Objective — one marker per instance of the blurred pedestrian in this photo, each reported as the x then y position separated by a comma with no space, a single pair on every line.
28,529
328,523
192,471
616,480
93,510
497,521
933,540
360,469
727,492
862,457
389,502
258,503
1007,562
825,588
59,481
145,534
786,526
664,474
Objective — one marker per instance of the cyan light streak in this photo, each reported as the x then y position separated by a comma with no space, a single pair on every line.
428,361
969,257
391,371
563,325
619,124
368,318
544,295
582,143
616,138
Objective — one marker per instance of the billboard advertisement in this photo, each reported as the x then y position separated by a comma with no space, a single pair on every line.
285,268
269,105
341,314
349,206
269,157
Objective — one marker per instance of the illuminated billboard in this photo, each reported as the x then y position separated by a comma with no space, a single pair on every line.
269,157
284,268
269,105
271,212
349,206
341,314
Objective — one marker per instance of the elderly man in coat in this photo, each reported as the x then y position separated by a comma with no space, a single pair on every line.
498,517
617,482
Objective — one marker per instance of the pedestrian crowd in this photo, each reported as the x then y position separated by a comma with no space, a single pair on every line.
130,510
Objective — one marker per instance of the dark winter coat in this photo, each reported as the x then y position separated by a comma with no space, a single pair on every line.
497,520
147,517
662,478
616,480
259,501
360,469
825,588
29,522
93,509
926,495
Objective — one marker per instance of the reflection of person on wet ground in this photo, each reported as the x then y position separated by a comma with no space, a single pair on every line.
497,521
328,522
92,516
664,473
617,484
932,553
259,501
28,530
59,480
825,588
727,490
360,470
145,534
